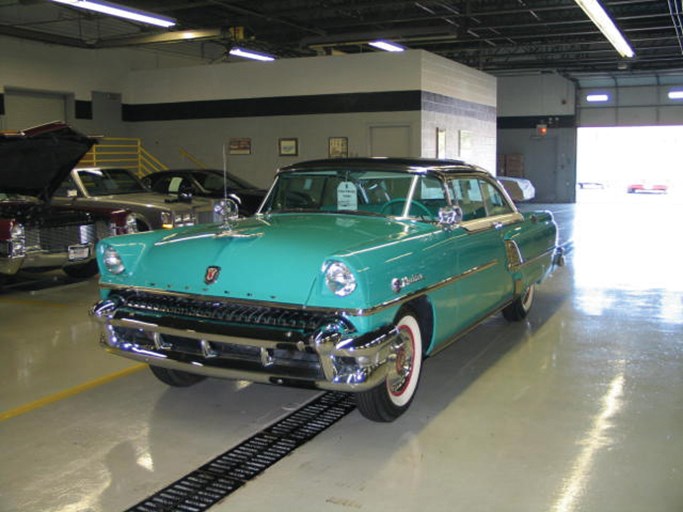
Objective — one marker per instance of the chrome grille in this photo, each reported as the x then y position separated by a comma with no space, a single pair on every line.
229,312
58,239
205,217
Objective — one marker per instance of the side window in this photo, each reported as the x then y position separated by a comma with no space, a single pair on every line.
214,183
495,203
162,185
66,188
468,195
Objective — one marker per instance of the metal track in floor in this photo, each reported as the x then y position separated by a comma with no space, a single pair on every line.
211,483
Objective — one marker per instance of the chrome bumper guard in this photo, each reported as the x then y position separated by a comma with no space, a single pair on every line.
331,358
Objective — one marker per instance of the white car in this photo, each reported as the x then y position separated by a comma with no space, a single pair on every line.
519,189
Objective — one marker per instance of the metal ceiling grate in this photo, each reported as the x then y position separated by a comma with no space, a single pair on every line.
206,486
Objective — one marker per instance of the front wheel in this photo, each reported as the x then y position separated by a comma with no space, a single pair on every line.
176,378
389,400
520,307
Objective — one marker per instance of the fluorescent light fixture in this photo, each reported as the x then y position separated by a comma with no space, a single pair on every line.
602,20
248,54
676,95
597,98
387,46
120,11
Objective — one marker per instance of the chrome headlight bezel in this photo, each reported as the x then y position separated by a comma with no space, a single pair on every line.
18,240
339,278
166,220
131,223
112,261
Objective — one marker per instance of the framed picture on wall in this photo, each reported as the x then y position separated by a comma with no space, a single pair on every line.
440,143
338,147
239,146
288,147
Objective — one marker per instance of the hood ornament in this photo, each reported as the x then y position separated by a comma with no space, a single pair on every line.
227,210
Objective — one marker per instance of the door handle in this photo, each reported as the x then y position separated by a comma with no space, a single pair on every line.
497,225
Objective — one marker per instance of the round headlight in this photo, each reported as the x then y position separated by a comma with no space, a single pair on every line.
339,278
112,261
131,224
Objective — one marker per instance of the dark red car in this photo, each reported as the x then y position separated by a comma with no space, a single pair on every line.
34,234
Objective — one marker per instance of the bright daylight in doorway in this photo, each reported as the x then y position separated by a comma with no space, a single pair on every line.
620,163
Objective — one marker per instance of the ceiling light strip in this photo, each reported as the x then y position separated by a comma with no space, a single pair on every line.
601,19
120,11
387,46
248,54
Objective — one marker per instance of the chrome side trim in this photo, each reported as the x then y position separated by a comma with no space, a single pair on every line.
325,310
514,255
547,254
407,298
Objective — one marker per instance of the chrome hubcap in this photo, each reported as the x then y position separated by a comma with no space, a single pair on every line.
401,370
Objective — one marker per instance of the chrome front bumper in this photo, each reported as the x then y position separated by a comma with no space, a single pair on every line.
39,260
330,358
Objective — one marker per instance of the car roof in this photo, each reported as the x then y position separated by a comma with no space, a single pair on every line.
419,165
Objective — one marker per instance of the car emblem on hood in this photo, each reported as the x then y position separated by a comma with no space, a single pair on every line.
211,274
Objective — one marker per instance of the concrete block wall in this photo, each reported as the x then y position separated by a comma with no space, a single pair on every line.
461,102
549,160
175,103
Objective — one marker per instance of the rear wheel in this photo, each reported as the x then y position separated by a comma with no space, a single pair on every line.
389,400
519,309
176,378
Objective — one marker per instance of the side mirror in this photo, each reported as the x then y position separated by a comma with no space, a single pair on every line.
450,217
72,193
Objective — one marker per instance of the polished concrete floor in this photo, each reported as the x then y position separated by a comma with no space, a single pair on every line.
579,408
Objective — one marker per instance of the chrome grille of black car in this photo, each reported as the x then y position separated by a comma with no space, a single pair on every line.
224,311
57,239
205,217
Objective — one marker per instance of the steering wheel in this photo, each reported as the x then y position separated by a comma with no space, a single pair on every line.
399,200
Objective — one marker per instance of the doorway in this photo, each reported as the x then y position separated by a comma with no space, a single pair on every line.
617,164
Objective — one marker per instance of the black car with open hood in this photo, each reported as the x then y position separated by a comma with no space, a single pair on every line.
35,235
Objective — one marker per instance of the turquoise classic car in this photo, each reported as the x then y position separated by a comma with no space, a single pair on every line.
352,272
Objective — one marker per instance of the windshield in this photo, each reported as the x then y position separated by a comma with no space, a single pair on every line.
104,182
396,194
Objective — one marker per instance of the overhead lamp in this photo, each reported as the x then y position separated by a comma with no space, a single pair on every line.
602,20
120,11
387,46
676,95
248,54
597,98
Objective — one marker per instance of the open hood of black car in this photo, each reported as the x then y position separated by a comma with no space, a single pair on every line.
34,162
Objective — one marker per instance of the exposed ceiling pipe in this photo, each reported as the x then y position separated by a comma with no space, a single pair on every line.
675,10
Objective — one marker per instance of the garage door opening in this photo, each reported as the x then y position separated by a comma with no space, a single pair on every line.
622,164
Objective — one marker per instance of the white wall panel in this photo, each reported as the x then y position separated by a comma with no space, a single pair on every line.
370,72
540,95
42,67
443,76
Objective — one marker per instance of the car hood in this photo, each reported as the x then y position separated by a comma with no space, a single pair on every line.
272,259
150,200
34,162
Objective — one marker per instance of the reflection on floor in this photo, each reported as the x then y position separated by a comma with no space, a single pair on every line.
579,408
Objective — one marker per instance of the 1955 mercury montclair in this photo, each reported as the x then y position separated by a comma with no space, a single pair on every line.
352,272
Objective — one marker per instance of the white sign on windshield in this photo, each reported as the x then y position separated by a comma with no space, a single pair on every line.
347,196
